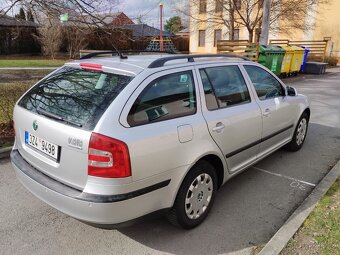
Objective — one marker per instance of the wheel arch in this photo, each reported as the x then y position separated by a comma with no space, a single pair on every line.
215,161
307,111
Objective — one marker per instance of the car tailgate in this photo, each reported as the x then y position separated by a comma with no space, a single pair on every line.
69,163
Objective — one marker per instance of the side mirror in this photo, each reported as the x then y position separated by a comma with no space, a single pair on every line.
291,91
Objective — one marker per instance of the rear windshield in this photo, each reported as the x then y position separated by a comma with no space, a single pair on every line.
75,96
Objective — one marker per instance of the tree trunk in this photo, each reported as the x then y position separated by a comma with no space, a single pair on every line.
251,34
231,21
265,23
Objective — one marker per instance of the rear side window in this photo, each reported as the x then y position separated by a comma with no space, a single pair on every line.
265,84
224,86
167,97
74,96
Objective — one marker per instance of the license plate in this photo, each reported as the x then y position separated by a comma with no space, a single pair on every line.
42,145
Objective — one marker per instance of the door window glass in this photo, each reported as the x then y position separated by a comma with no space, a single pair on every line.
167,97
227,85
266,85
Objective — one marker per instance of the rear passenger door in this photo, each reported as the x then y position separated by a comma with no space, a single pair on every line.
163,121
278,113
233,117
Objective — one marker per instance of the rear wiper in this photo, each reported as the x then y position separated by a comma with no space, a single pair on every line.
56,117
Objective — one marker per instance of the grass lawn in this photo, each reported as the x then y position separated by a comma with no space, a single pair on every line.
31,62
320,233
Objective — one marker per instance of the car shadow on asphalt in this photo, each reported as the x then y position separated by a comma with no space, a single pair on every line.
252,206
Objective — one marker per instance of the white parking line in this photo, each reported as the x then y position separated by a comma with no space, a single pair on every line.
284,176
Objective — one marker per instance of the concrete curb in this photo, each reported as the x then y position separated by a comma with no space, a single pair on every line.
4,152
289,228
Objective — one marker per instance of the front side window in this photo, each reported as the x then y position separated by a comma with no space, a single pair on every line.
227,85
265,84
167,97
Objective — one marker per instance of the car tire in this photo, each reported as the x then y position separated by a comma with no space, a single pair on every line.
299,134
195,196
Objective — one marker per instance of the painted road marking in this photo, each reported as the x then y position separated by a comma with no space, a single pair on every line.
294,184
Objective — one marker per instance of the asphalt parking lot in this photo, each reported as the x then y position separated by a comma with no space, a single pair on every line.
248,210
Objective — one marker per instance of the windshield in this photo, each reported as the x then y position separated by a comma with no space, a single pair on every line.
75,96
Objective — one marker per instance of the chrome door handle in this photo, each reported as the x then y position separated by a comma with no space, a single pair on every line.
266,112
219,127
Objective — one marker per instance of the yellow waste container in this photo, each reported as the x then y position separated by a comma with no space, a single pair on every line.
297,60
292,60
287,59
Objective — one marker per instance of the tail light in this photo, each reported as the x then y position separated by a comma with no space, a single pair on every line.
108,157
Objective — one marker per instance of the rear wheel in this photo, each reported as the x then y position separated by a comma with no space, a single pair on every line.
195,196
299,134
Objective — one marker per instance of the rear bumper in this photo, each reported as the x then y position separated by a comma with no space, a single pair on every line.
91,208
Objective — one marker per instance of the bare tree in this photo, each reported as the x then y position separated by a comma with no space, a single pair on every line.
285,15
83,15
290,14
54,8
76,39
50,38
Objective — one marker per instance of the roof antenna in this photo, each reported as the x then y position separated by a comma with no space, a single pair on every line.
119,53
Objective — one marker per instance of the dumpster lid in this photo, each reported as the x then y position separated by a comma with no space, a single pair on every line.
292,48
286,48
297,48
271,49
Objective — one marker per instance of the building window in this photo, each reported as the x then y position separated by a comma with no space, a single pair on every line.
201,38
203,6
218,5
236,34
238,4
217,36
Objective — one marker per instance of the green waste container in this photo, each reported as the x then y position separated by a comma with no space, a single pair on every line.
271,56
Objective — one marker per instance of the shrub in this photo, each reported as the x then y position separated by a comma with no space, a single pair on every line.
332,61
9,94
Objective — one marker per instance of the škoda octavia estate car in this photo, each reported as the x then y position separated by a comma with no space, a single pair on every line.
108,140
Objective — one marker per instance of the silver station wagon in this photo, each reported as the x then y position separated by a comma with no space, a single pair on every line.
109,140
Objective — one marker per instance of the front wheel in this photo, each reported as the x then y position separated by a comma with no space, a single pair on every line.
299,134
195,196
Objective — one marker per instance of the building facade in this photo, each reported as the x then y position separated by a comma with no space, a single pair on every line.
206,27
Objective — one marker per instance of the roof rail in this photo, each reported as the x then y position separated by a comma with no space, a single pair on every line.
93,54
191,58
120,53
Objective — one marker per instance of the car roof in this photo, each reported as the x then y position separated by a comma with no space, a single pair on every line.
135,64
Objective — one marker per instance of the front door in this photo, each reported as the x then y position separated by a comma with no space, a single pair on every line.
278,114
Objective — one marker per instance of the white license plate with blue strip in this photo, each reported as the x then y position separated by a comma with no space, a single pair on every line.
42,145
